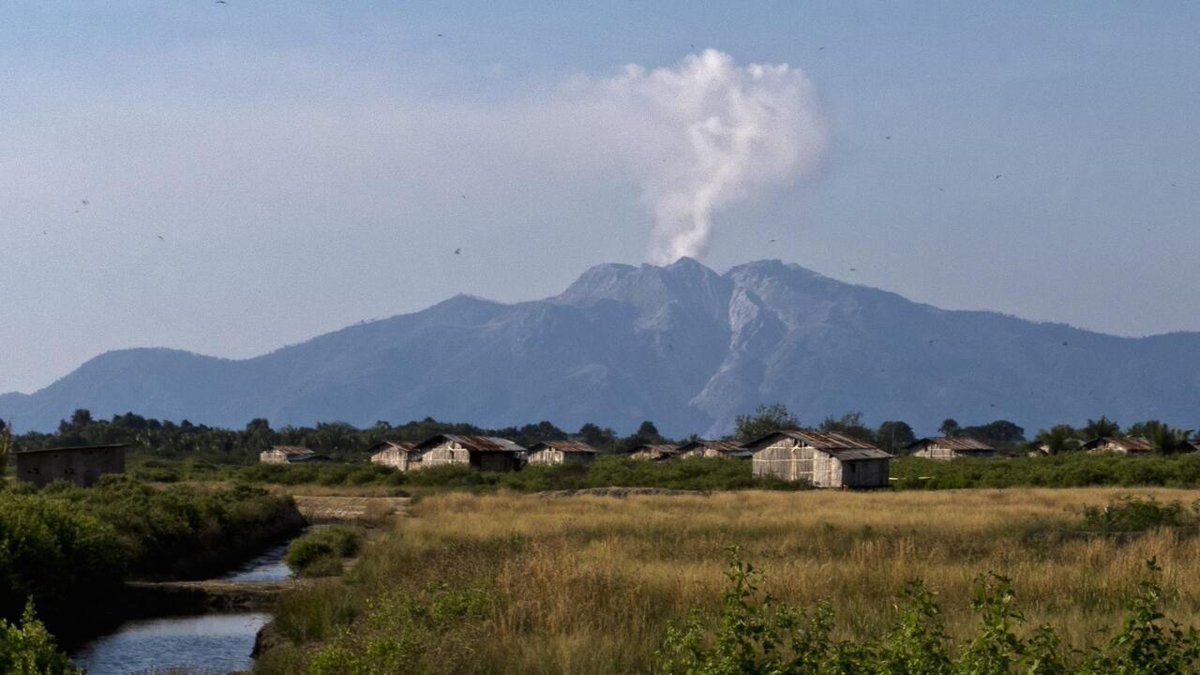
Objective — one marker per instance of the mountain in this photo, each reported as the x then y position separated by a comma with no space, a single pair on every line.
680,345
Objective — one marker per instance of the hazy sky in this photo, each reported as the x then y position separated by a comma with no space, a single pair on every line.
256,173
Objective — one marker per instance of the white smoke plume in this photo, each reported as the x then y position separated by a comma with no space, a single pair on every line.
707,134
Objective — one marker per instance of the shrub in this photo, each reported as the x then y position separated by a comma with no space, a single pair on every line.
1135,514
319,553
28,648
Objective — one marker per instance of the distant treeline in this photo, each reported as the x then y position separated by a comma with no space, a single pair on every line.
152,438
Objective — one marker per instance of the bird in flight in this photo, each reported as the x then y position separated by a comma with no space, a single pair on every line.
84,202
887,138
458,251
998,176
160,237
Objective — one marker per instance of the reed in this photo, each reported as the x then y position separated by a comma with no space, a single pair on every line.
589,584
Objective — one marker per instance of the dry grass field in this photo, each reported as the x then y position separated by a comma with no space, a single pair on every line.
528,584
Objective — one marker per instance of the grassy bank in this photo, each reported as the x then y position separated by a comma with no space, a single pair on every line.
70,549
528,584
1066,470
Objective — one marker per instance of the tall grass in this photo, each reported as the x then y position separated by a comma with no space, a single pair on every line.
522,583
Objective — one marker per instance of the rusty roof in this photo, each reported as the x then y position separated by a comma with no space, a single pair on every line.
718,446
476,443
292,450
829,442
958,444
382,446
1128,444
564,446
661,448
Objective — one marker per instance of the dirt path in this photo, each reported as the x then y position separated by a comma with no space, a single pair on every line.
324,509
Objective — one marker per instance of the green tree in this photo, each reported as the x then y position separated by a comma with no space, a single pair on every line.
849,424
999,433
27,648
894,436
949,428
1100,428
766,419
1057,439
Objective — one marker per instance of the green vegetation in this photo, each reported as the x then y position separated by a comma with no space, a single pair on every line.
320,552
1071,469
514,583
1138,514
752,634
70,549
27,648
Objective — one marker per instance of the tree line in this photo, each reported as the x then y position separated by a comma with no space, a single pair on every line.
342,441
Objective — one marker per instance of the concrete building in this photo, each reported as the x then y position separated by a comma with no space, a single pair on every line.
80,465
826,460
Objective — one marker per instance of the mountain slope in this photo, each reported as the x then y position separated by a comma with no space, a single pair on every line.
680,345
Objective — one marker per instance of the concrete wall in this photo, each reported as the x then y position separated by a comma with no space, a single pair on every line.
80,466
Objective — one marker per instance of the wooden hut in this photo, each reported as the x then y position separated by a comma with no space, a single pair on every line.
487,453
400,455
717,449
946,449
1131,445
654,452
290,454
81,465
562,452
827,460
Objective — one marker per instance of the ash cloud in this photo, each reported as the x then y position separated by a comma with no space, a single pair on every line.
706,134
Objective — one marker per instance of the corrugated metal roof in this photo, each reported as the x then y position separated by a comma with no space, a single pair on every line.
661,448
833,443
1128,444
564,446
958,444
292,450
383,446
728,447
476,443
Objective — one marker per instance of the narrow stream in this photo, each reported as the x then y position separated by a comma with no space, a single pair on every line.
209,643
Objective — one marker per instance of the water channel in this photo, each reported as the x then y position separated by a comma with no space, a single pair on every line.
209,643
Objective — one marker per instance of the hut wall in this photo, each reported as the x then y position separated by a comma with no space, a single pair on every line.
826,471
446,453
272,457
396,458
80,466
784,460
547,456
937,452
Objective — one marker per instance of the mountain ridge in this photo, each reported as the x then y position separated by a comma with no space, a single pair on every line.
678,344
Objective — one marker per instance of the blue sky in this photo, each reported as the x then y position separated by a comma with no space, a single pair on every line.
260,172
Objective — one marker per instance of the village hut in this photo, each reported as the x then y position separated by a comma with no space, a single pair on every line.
717,449
290,454
487,453
400,455
654,452
82,465
562,452
1131,445
946,449
827,460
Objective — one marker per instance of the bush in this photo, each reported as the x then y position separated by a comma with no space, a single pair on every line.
28,648
319,553
1136,514
753,635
